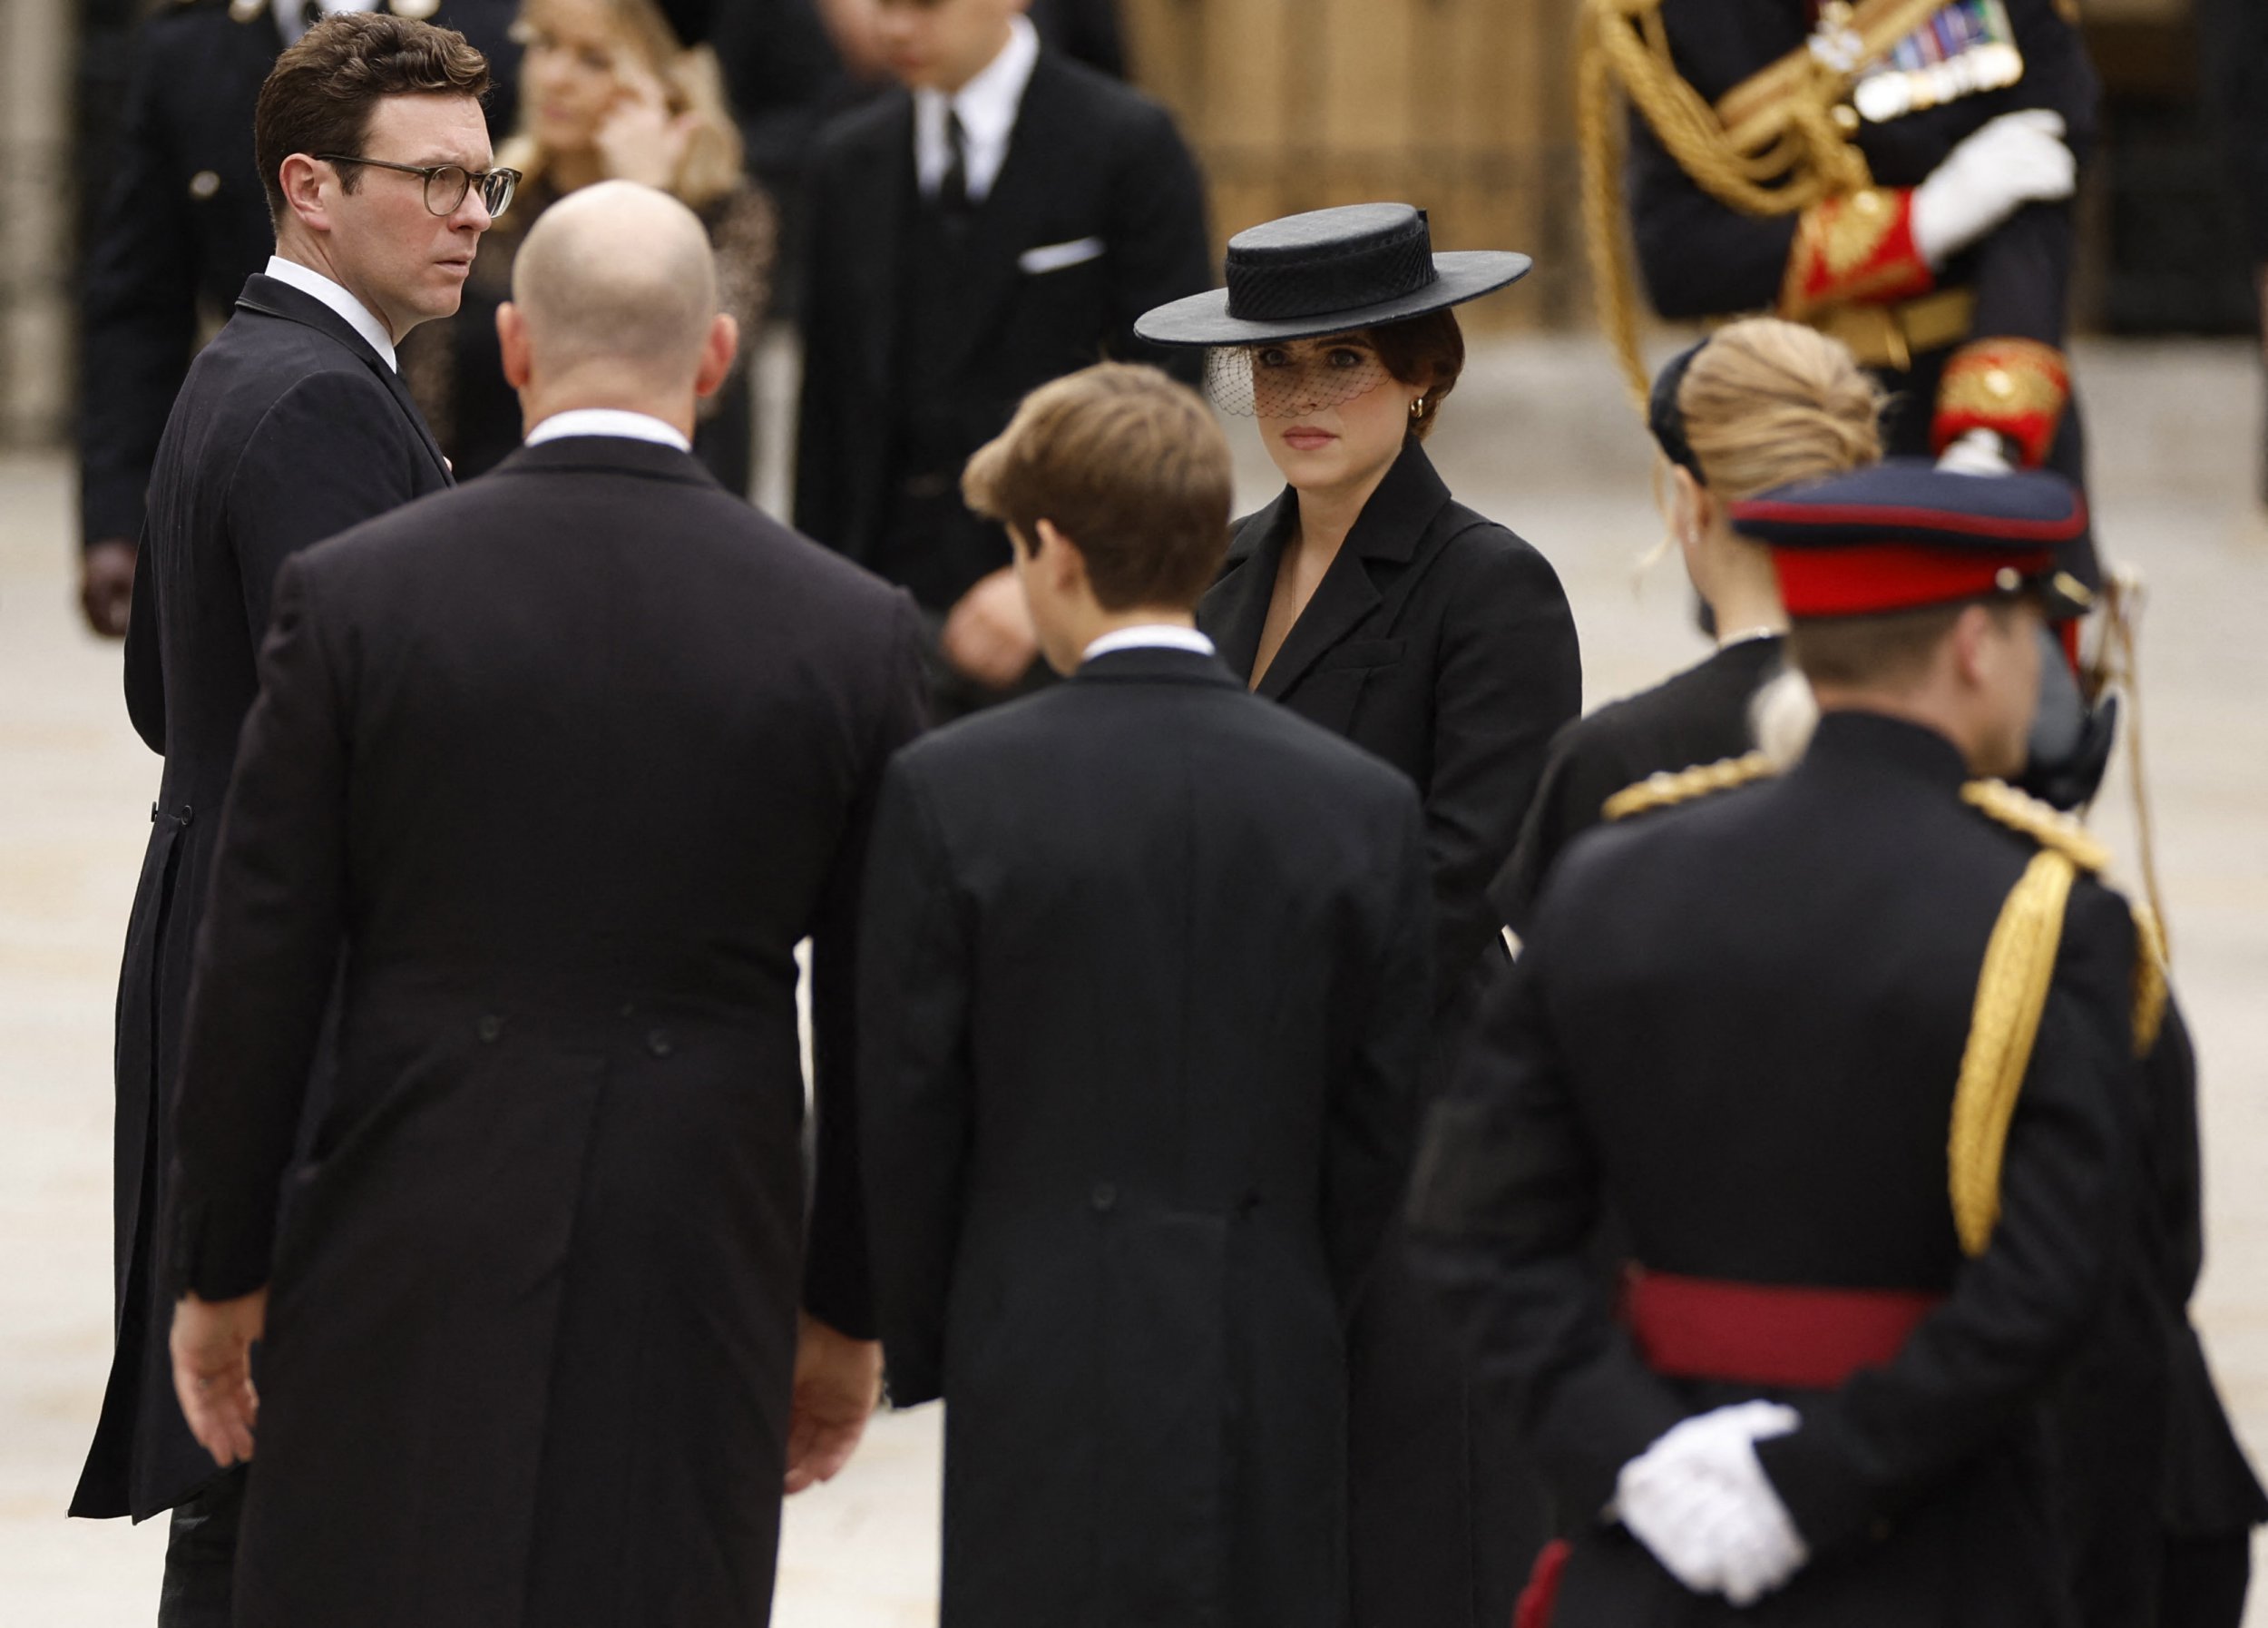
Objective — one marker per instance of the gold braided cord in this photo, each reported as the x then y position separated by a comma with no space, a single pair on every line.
1599,135
2011,994
2119,666
2042,822
2151,988
1666,791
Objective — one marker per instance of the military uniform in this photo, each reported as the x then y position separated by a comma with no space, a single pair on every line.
1747,1024
185,221
1826,237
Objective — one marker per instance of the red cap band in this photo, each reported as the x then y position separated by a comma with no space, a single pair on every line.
1880,577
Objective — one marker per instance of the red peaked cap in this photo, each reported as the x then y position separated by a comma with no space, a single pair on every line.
1903,535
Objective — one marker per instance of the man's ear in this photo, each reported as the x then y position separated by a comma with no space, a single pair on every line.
1975,646
512,335
1059,556
309,189
717,351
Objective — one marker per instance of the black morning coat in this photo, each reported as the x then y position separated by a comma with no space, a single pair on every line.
184,221
571,759
1096,215
1443,643
1143,1012
1696,716
2232,46
1700,258
1738,1025
289,429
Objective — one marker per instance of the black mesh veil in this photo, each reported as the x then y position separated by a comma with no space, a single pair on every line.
1287,377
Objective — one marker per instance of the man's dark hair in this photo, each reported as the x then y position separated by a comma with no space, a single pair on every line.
1127,465
319,95
1893,648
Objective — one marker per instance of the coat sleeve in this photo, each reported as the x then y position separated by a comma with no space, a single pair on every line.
333,452
266,954
917,1089
1503,1206
1159,247
146,668
2019,1310
139,311
828,354
838,1279
1510,675
1367,1132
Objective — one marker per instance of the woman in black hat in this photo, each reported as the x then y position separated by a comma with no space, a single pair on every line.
1367,599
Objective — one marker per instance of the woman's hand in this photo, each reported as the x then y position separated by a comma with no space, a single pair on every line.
639,140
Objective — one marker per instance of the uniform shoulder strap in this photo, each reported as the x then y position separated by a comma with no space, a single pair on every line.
2040,821
1666,791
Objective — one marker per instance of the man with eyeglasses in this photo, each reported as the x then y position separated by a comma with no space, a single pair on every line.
292,426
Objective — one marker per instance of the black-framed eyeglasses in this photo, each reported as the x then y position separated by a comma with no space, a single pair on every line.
446,184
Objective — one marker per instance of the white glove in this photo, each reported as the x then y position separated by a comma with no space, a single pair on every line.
1701,1503
2015,160
1978,451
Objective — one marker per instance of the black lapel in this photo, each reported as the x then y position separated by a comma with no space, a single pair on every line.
1235,608
1043,143
1393,524
272,298
882,190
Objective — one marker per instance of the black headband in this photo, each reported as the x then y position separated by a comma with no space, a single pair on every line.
1667,419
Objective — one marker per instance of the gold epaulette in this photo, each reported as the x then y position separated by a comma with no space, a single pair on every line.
2040,821
1666,791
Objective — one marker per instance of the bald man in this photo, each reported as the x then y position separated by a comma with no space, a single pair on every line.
570,759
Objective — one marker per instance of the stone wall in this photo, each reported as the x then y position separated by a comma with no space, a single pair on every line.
36,79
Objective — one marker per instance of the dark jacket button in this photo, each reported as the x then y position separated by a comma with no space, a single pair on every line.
660,1043
1105,1196
491,1027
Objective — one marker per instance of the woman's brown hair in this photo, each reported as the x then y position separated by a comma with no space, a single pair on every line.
1427,350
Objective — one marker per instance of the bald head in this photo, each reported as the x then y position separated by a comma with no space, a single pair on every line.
616,288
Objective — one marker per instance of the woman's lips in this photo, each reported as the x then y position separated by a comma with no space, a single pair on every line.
1306,438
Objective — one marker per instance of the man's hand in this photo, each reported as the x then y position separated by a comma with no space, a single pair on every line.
838,1383
2009,162
1701,1503
988,636
106,585
212,1371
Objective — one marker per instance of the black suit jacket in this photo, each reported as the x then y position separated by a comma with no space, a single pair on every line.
1443,643
1737,1027
1089,159
1143,1013
184,222
571,758
2232,35
289,429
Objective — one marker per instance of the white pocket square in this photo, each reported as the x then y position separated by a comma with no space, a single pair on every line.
1055,257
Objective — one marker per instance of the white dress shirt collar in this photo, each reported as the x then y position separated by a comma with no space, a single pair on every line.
358,315
1150,635
987,107
609,421
291,21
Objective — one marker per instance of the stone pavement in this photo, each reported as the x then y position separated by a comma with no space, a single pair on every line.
1537,436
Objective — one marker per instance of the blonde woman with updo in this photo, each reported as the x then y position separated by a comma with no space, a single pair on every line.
608,91
1759,404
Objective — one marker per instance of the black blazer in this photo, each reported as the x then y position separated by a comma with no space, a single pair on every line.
1696,716
571,758
1143,1011
184,221
1090,159
289,429
1443,643
1737,1027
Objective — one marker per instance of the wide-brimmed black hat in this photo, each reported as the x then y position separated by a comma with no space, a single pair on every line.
1328,271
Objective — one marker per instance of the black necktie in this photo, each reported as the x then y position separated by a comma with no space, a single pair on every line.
953,187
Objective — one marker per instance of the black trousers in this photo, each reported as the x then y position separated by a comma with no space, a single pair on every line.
199,1591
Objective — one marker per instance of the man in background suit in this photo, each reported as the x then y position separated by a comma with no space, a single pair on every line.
1144,1003
183,221
2232,39
998,221
292,426
571,758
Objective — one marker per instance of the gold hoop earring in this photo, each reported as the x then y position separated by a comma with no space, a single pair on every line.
1417,408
